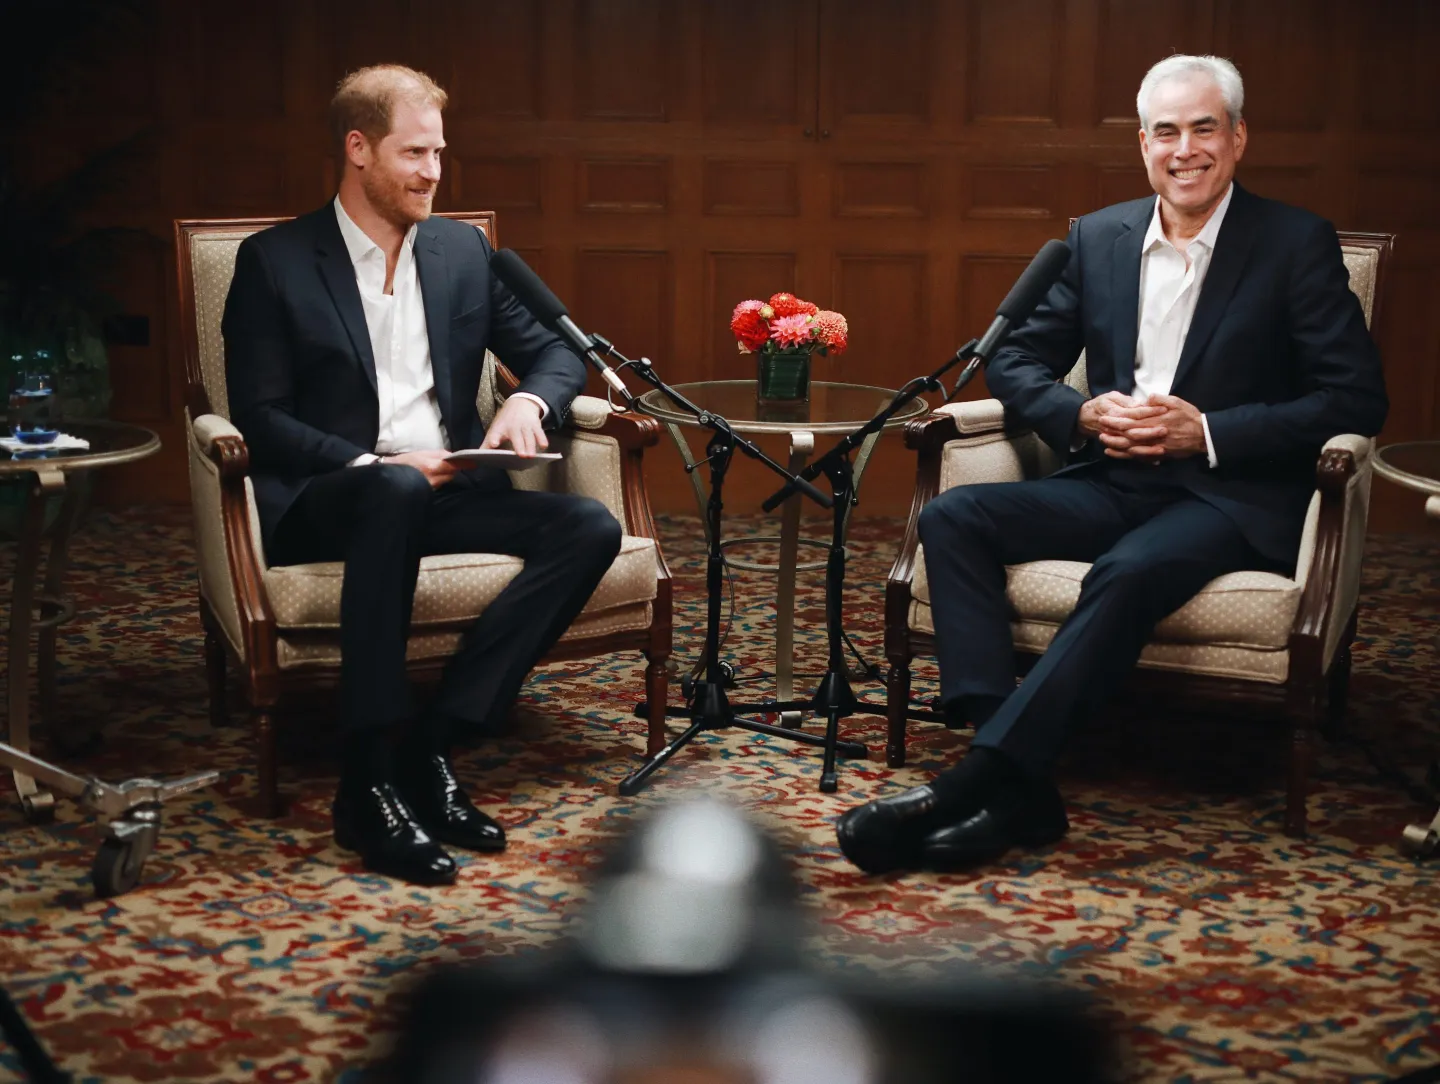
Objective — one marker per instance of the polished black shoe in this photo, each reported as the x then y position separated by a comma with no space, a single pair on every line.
375,822
1034,818
887,834
432,791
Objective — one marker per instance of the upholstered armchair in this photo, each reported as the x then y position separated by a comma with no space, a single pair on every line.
1279,643
280,624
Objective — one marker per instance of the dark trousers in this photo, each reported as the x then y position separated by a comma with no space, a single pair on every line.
1153,546
381,519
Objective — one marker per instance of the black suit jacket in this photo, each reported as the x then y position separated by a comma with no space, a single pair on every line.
1277,357
299,366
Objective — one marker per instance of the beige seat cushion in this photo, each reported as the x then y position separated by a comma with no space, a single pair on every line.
1253,610
453,588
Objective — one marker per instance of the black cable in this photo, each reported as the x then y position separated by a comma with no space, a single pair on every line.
33,1058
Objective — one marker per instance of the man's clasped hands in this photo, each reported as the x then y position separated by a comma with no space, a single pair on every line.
1133,427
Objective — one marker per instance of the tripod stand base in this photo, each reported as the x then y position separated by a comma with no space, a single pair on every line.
711,712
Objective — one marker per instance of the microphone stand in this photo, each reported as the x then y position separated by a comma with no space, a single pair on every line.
707,707
834,698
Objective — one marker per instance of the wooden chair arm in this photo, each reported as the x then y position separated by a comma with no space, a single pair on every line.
926,436
231,457
1316,614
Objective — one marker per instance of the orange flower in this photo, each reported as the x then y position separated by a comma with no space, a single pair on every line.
832,331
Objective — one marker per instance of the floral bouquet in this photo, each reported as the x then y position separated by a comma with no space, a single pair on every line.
783,332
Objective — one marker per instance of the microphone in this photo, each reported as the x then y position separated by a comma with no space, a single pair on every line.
1032,285
532,292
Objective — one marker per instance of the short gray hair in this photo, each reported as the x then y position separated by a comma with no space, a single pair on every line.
1217,69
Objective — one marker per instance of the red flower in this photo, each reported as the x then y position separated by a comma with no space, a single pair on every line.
787,304
809,308
748,326
832,331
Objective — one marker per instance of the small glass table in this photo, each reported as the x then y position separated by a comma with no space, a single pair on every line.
1416,466
45,476
833,410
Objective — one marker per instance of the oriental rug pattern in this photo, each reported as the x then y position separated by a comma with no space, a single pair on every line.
254,950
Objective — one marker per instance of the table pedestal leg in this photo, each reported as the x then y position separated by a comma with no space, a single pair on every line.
56,610
802,444
36,802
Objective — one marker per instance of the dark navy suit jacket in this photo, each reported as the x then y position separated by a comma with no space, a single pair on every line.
1277,357
301,372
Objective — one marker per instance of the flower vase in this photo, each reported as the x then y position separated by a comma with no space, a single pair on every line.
782,378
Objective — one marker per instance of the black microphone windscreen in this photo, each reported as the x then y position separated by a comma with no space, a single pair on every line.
527,286
1034,282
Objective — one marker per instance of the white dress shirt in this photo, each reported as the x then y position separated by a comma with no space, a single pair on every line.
399,339
1170,283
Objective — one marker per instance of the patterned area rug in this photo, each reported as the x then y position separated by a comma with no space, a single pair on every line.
1220,949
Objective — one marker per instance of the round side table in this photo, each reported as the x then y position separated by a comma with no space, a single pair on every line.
1416,466
48,474
832,410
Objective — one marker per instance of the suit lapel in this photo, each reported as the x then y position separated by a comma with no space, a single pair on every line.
338,274
435,289
1232,250
1125,285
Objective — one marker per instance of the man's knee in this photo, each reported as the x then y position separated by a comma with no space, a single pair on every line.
956,512
590,525
396,487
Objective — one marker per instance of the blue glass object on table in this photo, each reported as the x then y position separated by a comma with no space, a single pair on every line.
32,403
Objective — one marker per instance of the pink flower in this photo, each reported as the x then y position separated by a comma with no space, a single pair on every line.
797,330
832,331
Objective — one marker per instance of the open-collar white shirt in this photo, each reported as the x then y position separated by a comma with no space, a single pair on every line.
400,342
410,418
1170,284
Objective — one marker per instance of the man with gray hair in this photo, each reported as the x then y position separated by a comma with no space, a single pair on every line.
1223,348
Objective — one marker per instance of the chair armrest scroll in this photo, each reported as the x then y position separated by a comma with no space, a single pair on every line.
219,442
223,445
1332,576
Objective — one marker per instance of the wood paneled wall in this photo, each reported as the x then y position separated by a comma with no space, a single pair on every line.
659,160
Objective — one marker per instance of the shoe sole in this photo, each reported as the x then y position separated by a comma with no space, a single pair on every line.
346,842
941,860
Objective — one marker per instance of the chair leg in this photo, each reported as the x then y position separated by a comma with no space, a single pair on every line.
267,757
215,677
1337,699
1302,748
897,705
657,694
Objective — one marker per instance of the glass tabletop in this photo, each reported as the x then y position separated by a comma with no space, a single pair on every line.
832,408
1414,464
110,443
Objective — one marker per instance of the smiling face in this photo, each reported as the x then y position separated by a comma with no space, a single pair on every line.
1190,148
399,174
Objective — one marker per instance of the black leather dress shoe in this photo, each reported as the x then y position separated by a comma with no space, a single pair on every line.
432,791
1035,819
887,834
374,822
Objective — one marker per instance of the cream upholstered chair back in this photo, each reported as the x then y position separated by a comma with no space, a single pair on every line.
1361,252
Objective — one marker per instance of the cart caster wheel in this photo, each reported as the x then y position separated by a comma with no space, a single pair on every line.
117,866
39,808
